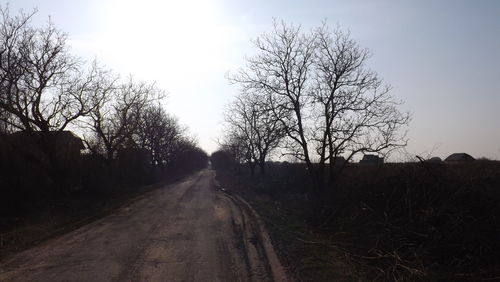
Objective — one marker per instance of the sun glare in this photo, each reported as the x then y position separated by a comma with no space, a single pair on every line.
163,38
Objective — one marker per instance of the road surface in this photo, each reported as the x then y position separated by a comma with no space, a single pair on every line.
188,231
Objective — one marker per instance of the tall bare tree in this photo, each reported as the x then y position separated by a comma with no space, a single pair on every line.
117,117
280,71
250,117
355,112
5,127
335,105
43,88
235,145
159,133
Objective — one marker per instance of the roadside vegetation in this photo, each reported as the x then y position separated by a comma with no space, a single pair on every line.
309,97
390,222
75,138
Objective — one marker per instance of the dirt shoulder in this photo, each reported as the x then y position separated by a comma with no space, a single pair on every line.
305,255
255,232
32,229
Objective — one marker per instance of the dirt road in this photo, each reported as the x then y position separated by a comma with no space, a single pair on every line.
188,231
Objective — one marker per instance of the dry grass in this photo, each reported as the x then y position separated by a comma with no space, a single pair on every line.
400,222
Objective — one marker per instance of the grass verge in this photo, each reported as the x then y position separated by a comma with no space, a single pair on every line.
393,222
306,255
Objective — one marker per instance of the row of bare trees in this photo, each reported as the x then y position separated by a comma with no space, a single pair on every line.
253,132
312,95
129,115
46,90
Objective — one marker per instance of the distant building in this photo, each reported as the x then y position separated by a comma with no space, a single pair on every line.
371,159
65,144
459,158
435,160
339,160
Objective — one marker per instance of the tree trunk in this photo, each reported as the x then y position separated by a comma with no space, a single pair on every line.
252,165
53,167
262,166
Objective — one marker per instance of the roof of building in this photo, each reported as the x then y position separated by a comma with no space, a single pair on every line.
60,138
459,157
435,160
371,157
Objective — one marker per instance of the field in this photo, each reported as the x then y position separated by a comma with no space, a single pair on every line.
410,222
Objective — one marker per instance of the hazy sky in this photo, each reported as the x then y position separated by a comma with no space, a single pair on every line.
441,57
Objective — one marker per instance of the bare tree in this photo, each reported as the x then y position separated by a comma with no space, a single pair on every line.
5,127
117,117
188,154
236,146
159,133
43,88
250,117
355,112
335,106
280,71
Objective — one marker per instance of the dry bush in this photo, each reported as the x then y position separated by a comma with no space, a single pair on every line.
412,221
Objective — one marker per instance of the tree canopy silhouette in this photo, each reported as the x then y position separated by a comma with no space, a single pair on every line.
330,104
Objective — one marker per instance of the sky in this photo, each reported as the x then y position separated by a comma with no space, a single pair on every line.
441,57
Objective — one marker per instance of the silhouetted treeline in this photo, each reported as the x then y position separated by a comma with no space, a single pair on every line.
68,127
222,159
309,95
